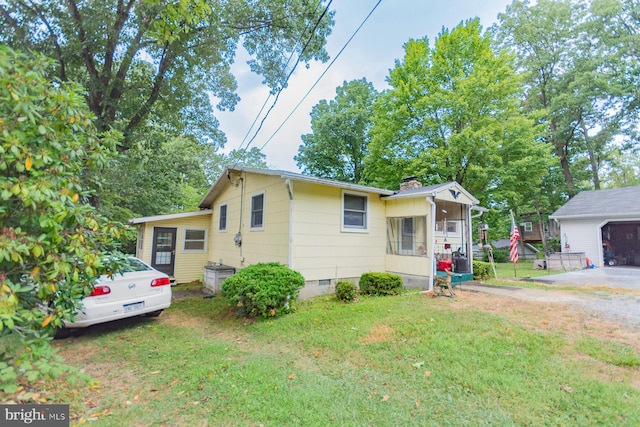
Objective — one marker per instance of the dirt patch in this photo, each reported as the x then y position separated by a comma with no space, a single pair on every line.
179,295
378,333
568,319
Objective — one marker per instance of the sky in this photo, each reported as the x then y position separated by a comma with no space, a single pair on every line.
371,54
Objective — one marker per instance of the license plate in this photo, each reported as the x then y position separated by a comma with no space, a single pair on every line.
128,308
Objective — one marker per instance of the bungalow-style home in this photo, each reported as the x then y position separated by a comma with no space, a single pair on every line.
602,224
325,229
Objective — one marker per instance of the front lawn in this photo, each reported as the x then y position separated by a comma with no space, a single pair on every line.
386,361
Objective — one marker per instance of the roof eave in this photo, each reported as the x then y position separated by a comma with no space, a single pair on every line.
143,220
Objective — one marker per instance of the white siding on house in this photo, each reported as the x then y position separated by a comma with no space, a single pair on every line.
583,235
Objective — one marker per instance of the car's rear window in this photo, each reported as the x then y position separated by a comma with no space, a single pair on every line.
131,264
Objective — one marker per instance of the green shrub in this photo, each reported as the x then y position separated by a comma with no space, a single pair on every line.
345,291
264,289
381,284
481,270
499,255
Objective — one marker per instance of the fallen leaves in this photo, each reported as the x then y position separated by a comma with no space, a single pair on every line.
566,388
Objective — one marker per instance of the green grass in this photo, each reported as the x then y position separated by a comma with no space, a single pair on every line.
524,268
405,360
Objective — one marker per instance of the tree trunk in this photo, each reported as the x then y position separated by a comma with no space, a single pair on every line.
543,238
592,157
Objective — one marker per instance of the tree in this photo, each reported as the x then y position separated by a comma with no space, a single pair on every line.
569,68
453,114
252,158
338,145
615,27
51,239
145,61
154,178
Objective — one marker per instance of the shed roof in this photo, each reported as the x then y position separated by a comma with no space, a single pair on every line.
610,203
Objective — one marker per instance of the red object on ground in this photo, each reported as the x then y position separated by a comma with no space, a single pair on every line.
444,264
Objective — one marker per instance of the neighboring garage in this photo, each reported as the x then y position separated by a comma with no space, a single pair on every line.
603,224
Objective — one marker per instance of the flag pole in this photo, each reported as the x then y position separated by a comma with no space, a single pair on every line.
514,236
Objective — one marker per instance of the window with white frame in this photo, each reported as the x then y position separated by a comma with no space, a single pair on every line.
195,240
528,226
222,224
257,211
447,228
354,212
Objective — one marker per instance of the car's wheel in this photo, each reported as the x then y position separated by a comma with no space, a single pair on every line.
154,313
611,262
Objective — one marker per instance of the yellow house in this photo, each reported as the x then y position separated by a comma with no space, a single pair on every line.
325,229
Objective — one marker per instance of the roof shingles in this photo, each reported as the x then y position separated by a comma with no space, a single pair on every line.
613,202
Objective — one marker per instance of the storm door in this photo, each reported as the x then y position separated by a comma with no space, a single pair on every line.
163,257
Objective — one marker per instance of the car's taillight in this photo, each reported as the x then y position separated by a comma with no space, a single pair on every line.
100,290
161,281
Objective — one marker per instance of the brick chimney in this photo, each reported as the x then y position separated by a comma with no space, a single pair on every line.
409,183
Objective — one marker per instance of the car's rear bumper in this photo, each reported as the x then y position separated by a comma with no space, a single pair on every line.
93,313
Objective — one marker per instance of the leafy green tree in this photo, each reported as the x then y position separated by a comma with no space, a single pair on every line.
338,145
149,61
573,78
155,178
51,239
614,26
252,158
453,114
624,171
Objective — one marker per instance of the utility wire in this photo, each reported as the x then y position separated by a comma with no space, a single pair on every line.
269,95
311,35
321,76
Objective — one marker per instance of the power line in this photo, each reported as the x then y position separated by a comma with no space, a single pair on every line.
321,76
311,35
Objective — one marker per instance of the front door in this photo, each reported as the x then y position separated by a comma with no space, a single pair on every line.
163,257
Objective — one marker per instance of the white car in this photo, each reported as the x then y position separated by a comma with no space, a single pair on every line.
136,290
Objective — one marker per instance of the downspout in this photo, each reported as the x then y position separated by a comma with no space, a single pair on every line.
432,243
290,248
469,250
238,237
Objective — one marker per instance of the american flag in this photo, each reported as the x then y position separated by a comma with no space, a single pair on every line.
513,241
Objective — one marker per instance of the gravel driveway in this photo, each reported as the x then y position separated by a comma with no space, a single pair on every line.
622,305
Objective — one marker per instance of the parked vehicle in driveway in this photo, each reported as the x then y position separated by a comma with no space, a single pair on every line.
136,289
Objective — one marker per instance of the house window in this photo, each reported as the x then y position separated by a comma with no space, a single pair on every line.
141,238
257,211
324,282
450,226
354,212
195,240
407,236
528,227
222,226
